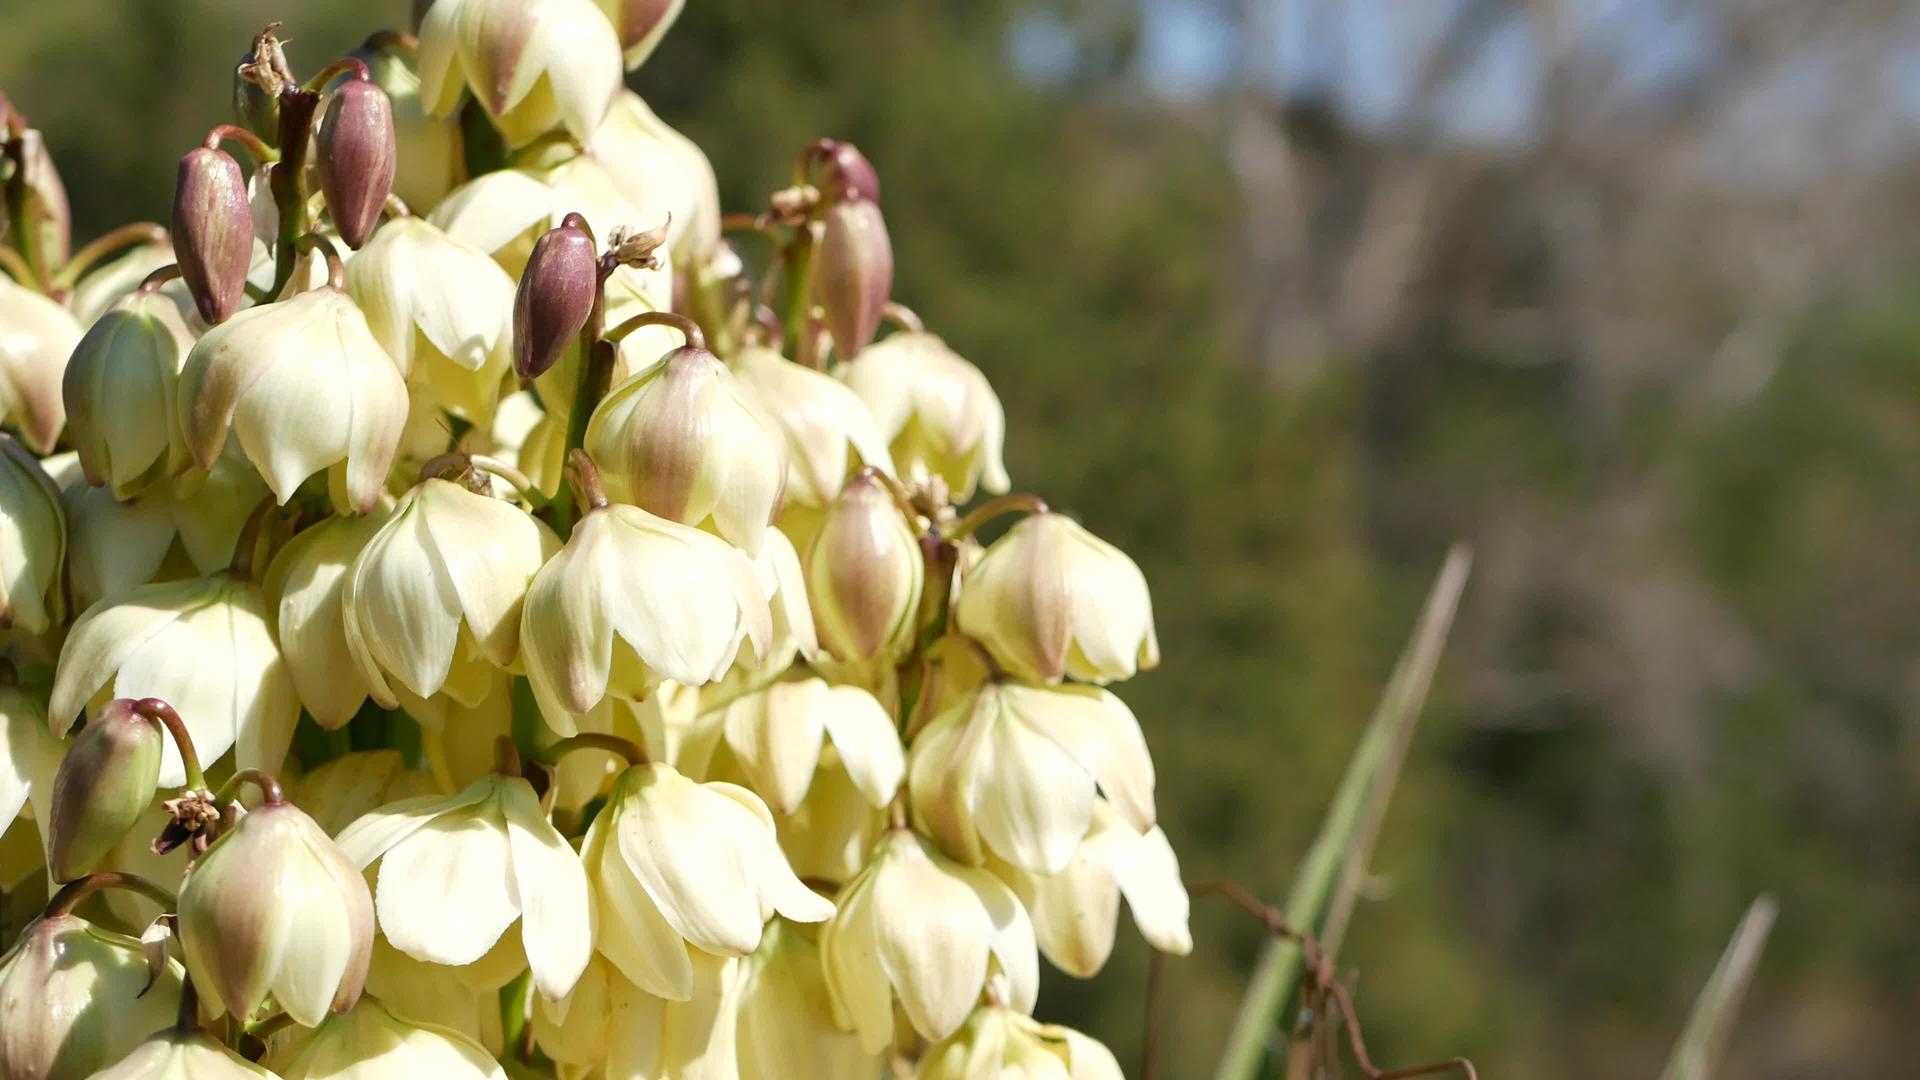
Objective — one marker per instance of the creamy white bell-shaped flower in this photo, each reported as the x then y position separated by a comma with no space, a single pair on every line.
203,646
119,394
1050,599
669,177
337,793
917,925
442,308
641,24
608,1027
275,908
29,755
182,526
938,412
633,600
115,278
434,994
682,440
677,864
534,65
456,872
36,337
827,428
183,1055
33,542
304,589
828,836
1016,767
785,1026
370,1042
434,598
303,385
998,1043
74,998
1076,911
777,735
784,582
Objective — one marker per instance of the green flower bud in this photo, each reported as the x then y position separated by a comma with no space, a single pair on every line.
103,786
684,441
212,231
358,154
1050,599
864,575
119,393
274,907
74,999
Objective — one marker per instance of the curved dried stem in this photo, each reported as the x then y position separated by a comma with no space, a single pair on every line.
74,892
267,783
163,714
336,268
594,740
696,339
126,236
152,282
17,268
1018,502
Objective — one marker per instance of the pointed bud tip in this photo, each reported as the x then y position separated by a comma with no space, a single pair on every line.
103,785
358,155
555,297
212,231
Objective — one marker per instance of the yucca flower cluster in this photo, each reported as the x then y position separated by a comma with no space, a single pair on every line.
462,621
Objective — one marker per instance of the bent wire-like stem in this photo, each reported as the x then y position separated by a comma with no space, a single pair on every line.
1323,892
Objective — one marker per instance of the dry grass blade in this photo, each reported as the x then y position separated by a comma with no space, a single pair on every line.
1323,892
1697,1053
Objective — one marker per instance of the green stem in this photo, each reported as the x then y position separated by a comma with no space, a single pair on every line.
288,182
993,508
256,146
162,713
71,894
796,270
140,232
13,264
268,784
594,740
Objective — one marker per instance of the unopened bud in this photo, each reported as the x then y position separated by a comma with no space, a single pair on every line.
358,154
641,24
125,366
555,297
212,231
44,210
864,574
75,998
274,907
846,174
854,273
104,784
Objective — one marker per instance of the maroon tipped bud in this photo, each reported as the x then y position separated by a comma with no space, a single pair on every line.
212,231
555,297
357,158
847,175
103,786
854,273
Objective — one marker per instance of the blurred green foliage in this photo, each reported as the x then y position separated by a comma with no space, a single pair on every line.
1552,890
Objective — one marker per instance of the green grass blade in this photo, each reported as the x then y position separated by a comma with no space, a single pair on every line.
1697,1053
1324,890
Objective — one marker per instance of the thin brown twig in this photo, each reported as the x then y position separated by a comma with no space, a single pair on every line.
1321,984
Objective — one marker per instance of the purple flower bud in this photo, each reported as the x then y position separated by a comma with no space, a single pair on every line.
853,273
555,297
846,174
357,158
104,784
212,231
